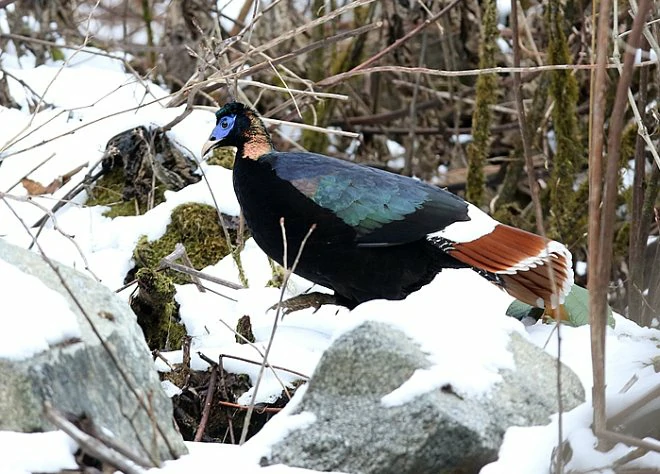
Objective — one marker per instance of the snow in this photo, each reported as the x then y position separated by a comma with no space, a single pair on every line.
503,11
647,56
50,319
581,268
18,452
449,318
479,225
428,320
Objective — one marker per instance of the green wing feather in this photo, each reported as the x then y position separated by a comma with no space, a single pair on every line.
383,208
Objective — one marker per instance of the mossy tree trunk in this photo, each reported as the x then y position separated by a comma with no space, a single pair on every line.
482,116
570,154
314,141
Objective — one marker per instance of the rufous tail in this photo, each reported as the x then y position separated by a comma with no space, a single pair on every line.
523,261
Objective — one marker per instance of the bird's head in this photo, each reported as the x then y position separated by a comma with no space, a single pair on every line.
239,126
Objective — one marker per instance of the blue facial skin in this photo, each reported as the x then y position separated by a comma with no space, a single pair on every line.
223,127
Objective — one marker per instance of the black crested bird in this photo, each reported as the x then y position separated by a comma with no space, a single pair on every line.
377,234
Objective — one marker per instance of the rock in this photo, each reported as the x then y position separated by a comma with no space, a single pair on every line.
437,432
80,377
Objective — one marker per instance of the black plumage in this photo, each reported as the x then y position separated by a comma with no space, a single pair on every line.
376,234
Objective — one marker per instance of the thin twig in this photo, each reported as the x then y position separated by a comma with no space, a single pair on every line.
465,72
629,440
610,192
596,285
647,398
75,129
91,445
278,367
534,190
287,275
93,51
197,274
412,33
320,95
304,126
225,393
626,458
243,407
638,231
272,368
522,124
302,29
208,402
221,76
179,252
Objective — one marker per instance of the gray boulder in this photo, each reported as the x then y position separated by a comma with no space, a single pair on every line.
436,432
80,376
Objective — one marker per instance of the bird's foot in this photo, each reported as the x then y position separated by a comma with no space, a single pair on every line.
308,300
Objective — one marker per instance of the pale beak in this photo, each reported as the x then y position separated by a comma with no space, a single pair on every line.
208,146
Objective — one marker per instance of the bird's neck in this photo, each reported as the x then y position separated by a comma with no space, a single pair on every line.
256,141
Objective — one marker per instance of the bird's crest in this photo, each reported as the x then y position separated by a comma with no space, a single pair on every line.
233,108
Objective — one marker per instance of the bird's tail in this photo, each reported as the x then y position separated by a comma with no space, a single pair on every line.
522,261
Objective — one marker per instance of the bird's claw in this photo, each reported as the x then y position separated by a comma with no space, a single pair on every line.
308,300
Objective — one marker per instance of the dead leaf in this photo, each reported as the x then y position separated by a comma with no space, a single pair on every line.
35,188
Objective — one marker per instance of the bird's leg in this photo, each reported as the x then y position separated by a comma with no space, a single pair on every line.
307,300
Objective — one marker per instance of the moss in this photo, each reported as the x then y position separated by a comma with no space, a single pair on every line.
486,94
107,191
223,156
57,54
236,255
156,310
277,272
194,225
570,155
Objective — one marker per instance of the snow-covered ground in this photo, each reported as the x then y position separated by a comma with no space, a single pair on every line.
90,99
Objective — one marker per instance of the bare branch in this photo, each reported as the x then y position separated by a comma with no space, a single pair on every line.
287,275
93,446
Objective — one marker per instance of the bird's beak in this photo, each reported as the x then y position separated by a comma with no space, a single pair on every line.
208,146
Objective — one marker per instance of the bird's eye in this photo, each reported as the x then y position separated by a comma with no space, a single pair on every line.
224,123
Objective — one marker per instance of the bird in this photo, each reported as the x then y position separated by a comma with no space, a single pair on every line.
367,233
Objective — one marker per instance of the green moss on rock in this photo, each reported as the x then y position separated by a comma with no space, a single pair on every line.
156,310
194,225
107,191
223,157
